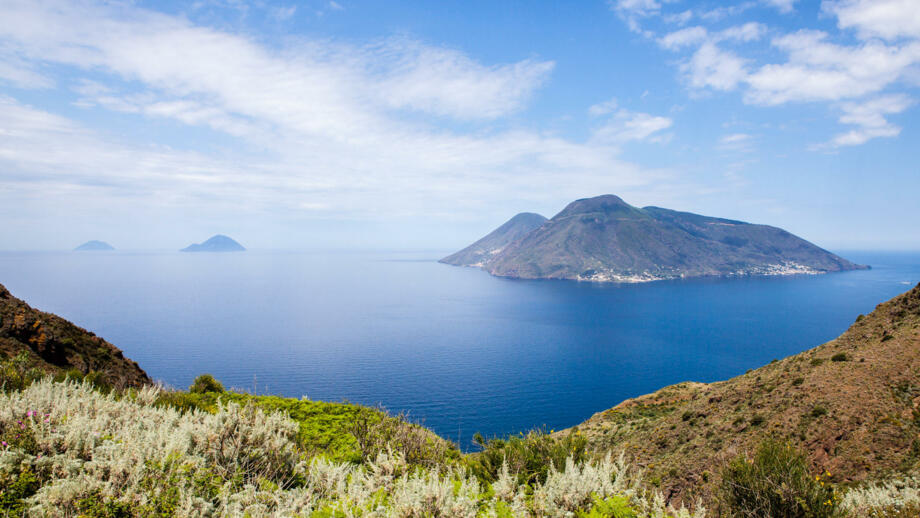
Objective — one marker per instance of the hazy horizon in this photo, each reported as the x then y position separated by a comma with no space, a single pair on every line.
361,125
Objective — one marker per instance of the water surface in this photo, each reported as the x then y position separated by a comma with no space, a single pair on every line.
455,347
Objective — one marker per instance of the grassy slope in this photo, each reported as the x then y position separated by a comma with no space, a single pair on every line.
852,403
54,344
326,428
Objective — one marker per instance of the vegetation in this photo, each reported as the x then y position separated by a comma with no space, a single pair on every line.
58,347
777,483
852,405
69,449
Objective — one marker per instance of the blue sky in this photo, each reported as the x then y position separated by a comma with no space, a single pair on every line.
363,124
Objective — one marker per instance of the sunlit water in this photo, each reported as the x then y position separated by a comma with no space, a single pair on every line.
456,348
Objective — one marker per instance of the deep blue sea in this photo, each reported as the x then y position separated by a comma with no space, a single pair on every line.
458,349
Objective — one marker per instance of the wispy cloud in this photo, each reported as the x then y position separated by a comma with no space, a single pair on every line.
320,126
816,67
869,117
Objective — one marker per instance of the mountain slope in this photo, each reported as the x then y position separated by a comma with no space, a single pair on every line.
606,239
55,345
484,250
94,246
217,243
852,403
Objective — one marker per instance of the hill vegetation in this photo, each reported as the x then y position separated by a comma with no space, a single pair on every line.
48,342
853,404
605,239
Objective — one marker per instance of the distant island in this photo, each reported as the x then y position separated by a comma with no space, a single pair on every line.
218,243
604,239
94,246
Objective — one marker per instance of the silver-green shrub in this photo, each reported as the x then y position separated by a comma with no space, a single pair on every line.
93,450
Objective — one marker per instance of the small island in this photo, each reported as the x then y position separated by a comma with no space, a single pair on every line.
94,246
218,243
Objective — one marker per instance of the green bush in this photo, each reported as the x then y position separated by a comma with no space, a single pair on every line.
206,383
14,490
776,483
613,507
17,373
839,357
818,411
530,456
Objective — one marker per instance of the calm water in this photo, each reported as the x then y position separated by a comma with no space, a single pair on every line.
457,348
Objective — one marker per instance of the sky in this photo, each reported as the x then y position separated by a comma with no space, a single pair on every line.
424,125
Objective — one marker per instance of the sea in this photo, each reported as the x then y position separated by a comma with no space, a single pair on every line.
457,349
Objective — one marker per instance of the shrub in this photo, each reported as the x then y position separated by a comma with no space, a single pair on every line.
839,357
776,483
613,507
14,489
818,411
529,456
17,373
205,383
148,459
798,381
757,420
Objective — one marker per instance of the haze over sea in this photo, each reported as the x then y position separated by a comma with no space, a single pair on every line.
458,349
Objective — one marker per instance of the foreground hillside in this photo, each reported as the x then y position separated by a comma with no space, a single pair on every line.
853,404
605,239
56,345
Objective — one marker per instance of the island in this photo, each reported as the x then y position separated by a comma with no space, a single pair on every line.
218,243
605,239
94,246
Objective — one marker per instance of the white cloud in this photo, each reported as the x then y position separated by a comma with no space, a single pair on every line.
683,38
817,70
735,138
20,72
446,82
631,11
712,67
737,142
603,108
627,126
783,6
343,129
869,117
888,19
750,31
283,13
